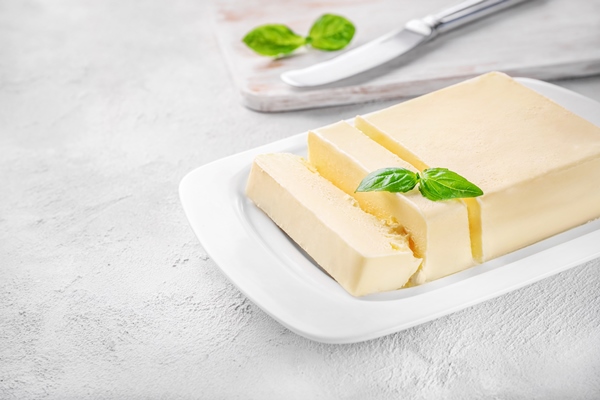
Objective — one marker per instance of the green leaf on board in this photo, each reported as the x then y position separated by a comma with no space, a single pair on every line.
273,40
331,32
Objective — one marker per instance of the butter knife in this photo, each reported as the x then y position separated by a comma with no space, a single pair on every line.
393,44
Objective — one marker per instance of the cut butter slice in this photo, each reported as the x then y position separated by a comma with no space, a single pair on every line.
439,231
359,251
537,163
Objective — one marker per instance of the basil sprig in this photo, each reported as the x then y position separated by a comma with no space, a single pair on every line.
434,183
330,32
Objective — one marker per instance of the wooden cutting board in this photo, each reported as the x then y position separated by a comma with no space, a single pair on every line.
544,39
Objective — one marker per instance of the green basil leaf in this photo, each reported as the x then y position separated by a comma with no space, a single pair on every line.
388,180
443,184
330,32
273,40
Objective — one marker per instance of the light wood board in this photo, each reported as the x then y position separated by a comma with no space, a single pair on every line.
543,39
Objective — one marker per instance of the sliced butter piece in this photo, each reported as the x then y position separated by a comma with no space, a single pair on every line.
537,163
439,231
354,247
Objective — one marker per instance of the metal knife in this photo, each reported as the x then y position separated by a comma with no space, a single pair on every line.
393,44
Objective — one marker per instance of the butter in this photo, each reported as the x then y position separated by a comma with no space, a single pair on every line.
439,231
537,163
359,251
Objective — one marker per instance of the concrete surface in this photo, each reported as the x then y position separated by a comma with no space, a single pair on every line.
104,290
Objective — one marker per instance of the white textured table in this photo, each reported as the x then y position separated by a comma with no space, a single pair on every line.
104,290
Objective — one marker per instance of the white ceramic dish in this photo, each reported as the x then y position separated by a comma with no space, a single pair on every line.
281,279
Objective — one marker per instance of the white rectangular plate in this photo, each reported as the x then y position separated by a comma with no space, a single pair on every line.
265,265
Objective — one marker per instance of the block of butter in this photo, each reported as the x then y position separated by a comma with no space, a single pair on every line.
358,250
438,231
537,163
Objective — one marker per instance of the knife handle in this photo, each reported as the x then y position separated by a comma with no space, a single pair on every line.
466,12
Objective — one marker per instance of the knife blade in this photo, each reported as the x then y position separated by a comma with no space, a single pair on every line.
393,44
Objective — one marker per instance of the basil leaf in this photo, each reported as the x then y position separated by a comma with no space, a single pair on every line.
273,40
443,184
330,32
388,180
